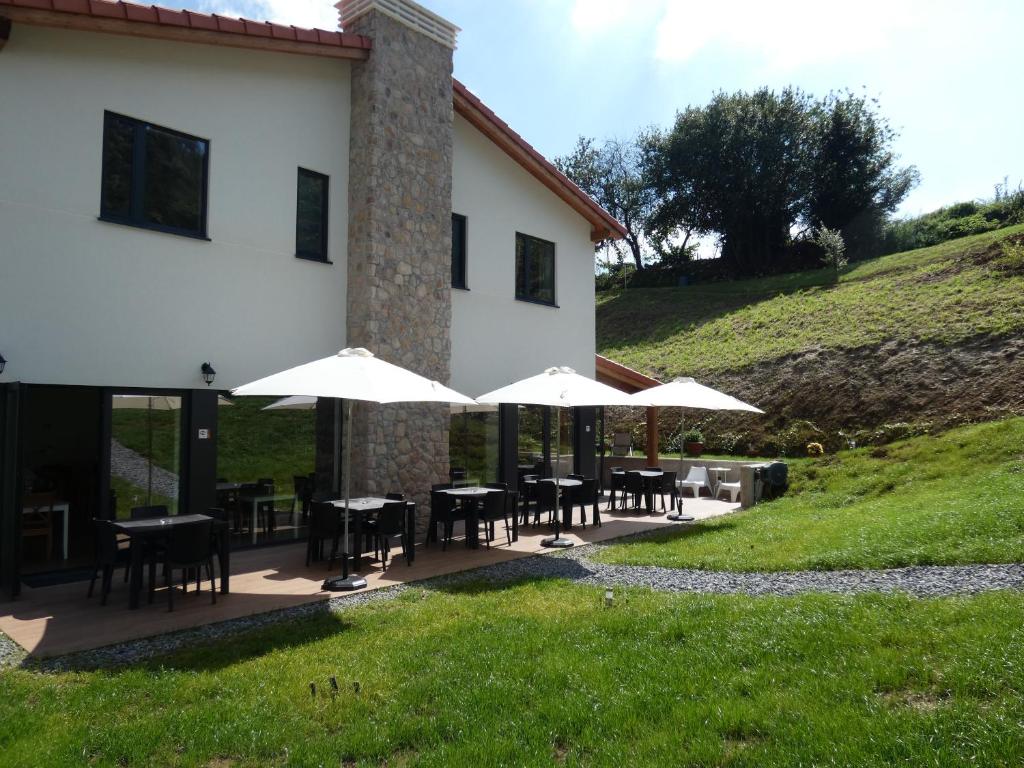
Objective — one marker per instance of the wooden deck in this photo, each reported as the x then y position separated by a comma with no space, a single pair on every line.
55,620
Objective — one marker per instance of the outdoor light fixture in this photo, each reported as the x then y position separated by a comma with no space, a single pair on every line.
208,373
609,597
3,363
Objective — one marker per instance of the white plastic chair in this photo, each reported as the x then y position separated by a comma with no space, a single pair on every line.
696,479
732,488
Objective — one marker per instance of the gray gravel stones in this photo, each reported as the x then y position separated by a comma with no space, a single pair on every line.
577,566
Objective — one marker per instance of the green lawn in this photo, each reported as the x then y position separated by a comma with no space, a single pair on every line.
953,498
542,674
946,293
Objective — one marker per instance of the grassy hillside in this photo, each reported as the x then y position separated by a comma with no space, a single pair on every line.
946,293
954,498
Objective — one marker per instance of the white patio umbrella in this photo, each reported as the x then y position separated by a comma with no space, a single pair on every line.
353,374
560,387
687,393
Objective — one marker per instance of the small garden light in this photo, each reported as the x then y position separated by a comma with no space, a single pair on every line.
208,373
609,597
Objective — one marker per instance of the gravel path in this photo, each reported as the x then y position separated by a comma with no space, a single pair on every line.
575,565
134,468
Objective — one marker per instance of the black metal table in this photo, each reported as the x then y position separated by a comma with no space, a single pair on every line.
154,529
564,484
368,505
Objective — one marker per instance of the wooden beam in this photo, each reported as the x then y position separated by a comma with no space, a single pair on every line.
85,23
652,437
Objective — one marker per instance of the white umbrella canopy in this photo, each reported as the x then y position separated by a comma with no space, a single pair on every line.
353,374
559,387
153,402
687,393
308,403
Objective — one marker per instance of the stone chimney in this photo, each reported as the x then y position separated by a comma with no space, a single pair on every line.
399,236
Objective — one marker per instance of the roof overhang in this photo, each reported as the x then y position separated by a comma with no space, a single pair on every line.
121,18
602,224
621,377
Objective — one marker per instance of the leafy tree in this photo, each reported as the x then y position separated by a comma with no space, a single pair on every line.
739,167
855,183
613,174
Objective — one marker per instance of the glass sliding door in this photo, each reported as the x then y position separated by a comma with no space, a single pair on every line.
145,451
473,444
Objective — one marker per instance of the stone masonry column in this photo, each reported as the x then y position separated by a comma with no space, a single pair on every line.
399,237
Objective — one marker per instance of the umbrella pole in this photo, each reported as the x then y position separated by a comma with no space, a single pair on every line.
557,540
679,517
354,581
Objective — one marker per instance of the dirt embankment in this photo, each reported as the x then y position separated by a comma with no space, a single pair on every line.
867,395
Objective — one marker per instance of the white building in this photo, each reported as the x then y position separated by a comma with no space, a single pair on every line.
179,189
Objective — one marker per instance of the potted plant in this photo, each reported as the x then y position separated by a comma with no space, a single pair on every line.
693,442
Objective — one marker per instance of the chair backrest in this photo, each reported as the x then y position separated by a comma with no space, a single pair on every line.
303,485
217,513
698,475
190,543
324,519
575,477
106,541
622,440
440,504
634,482
148,513
440,486
394,496
653,469
667,481
547,495
457,473
587,492
391,518
494,506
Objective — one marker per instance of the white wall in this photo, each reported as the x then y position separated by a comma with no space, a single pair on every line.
89,302
495,338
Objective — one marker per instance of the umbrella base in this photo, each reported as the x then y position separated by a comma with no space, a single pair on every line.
558,542
344,583
680,518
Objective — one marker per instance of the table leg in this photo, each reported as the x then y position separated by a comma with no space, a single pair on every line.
472,524
67,514
566,509
135,575
252,527
649,495
224,560
515,521
410,532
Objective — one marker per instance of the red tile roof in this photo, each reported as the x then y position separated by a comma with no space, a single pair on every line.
166,17
154,21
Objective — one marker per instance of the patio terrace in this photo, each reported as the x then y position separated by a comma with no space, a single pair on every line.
56,620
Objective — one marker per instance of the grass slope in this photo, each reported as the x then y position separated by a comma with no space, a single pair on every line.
945,293
952,498
542,674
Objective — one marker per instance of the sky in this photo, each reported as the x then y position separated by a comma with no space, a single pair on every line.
948,75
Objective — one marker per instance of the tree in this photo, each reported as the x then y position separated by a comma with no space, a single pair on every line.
855,182
738,167
613,174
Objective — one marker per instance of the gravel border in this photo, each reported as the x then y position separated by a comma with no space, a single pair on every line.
575,565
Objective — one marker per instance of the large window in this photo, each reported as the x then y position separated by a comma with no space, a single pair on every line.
458,251
535,269
153,177
311,216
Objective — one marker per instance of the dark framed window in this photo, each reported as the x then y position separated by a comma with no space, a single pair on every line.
311,216
153,177
535,269
458,251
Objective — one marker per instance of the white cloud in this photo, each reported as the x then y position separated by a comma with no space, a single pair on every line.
299,13
786,35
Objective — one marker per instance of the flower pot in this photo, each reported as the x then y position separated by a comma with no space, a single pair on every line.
693,449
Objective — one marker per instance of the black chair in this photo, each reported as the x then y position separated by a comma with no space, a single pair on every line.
634,488
149,513
547,501
394,496
618,478
369,526
303,485
586,495
667,484
109,555
324,525
390,522
494,508
527,495
189,546
653,469
444,511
